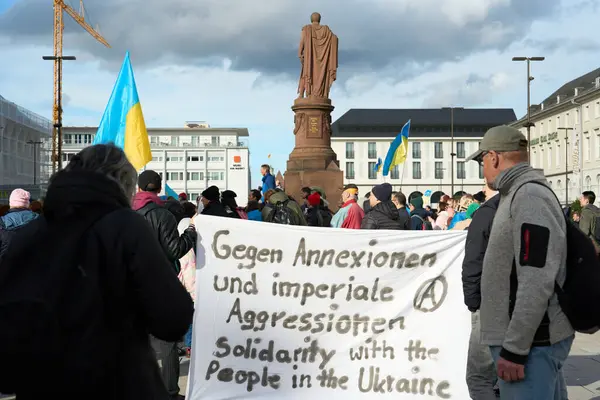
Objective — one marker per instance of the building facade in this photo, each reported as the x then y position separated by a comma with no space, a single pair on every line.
189,159
25,138
565,138
439,142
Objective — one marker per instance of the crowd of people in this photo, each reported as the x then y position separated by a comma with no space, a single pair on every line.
130,301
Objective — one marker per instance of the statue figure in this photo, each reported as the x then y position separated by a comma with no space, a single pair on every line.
318,54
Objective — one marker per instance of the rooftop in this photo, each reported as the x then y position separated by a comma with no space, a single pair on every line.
184,131
434,122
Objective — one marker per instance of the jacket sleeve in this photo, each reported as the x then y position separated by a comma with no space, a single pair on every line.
153,280
368,222
174,245
539,252
476,244
585,222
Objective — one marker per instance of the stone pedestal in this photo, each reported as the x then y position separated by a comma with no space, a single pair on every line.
313,162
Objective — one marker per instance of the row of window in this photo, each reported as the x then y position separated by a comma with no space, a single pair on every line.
416,170
416,150
194,176
190,158
546,154
544,127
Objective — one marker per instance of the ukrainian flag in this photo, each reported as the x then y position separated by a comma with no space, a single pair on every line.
398,150
123,123
378,166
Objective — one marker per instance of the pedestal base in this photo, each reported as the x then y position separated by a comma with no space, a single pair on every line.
313,162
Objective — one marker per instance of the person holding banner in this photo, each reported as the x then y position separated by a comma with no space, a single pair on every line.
529,335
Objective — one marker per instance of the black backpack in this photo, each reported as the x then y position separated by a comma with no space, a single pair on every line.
579,297
425,225
31,294
281,214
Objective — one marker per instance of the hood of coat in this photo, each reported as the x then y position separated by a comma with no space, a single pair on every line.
16,218
517,175
141,199
388,208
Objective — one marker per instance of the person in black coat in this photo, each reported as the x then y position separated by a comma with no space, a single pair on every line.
383,213
212,205
122,288
481,373
399,200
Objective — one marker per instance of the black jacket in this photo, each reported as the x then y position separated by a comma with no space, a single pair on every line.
404,218
383,216
122,290
478,235
418,217
164,226
214,208
313,213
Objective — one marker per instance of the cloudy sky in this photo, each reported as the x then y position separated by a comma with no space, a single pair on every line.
233,63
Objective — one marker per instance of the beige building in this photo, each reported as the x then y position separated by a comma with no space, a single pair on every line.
565,140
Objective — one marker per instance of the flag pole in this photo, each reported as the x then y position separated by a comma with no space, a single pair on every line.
402,176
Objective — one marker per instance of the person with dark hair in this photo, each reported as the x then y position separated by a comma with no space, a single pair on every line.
37,207
383,214
589,222
479,197
399,200
367,204
176,208
268,180
164,224
212,205
304,193
230,205
254,195
119,285
253,210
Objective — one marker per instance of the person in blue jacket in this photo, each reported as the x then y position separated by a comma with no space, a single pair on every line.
268,180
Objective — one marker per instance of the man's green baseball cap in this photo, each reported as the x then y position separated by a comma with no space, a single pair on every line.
501,139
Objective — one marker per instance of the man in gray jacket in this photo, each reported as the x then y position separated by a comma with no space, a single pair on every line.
521,320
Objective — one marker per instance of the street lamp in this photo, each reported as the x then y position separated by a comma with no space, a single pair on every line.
34,144
529,79
566,163
58,108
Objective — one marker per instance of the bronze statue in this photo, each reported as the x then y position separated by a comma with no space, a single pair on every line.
318,54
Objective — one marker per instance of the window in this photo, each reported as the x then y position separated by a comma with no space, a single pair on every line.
372,150
350,150
195,176
438,150
372,172
597,132
558,122
576,116
395,172
67,139
215,156
195,157
588,149
568,118
558,154
174,141
349,168
194,196
439,171
597,110
588,183
586,113
460,149
549,125
549,156
215,140
154,140
416,150
157,158
460,170
216,176
174,176
66,157
481,171
416,170
176,157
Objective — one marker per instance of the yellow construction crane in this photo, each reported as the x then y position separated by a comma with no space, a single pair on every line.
79,17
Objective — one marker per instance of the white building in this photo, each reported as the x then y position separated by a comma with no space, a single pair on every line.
360,136
189,159
25,138
559,151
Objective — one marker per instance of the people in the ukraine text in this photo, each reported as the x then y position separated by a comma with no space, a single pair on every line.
521,320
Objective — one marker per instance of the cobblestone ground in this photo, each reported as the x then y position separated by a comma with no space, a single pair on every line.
582,370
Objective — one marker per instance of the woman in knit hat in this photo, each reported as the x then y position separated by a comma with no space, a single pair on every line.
16,218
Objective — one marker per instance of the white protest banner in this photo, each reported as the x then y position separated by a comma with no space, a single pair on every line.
286,312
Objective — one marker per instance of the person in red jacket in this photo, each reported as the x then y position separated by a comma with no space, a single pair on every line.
350,215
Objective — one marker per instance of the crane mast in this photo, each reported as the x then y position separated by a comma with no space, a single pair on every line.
59,8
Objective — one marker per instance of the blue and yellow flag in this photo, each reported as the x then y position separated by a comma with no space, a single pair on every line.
123,123
378,165
398,150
